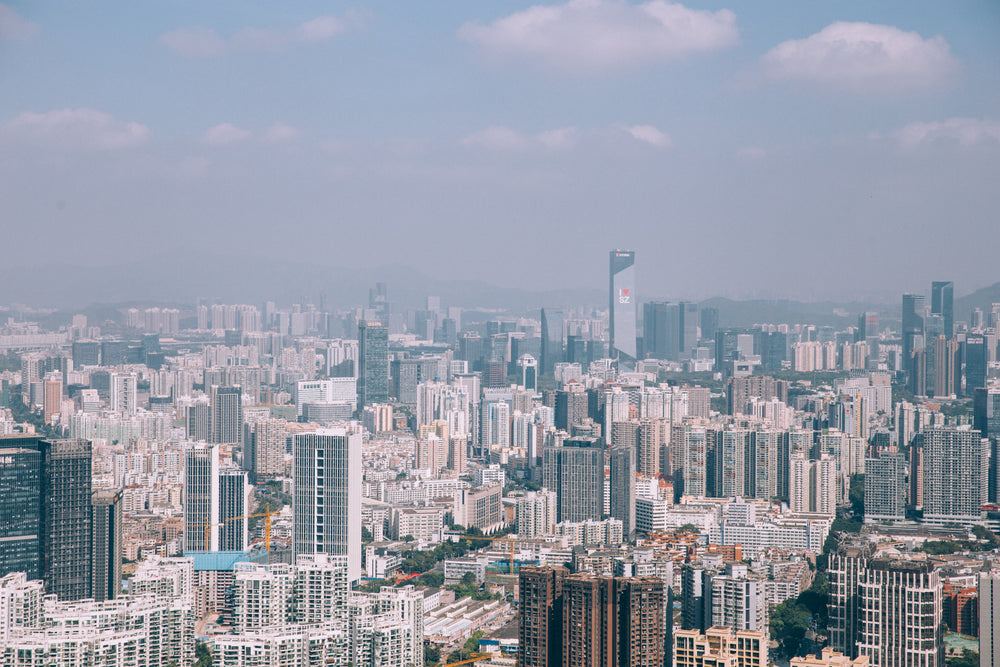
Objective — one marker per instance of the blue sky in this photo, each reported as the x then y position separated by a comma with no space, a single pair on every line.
822,149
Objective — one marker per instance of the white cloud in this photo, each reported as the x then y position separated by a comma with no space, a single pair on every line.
224,134
280,133
77,129
604,34
862,56
965,131
15,26
649,135
201,42
560,139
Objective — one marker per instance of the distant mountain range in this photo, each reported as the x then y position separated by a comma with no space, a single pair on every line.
181,281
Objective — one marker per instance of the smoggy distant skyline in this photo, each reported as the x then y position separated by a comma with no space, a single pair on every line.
833,150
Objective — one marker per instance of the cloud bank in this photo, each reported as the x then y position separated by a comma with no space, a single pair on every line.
202,42
589,35
76,129
964,131
862,57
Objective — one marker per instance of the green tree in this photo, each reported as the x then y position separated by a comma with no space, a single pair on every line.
968,658
366,535
202,655
432,655
789,624
432,579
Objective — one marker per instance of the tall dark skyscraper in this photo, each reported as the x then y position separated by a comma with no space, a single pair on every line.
20,506
552,339
622,303
661,330
913,330
67,522
198,420
975,363
943,304
709,322
575,472
687,327
373,363
107,545
227,415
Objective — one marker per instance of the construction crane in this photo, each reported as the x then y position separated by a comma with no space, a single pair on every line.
496,539
474,658
267,514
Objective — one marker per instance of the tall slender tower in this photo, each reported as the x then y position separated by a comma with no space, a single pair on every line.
943,304
373,363
227,415
67,523
107,544
328,495
621,304
201,499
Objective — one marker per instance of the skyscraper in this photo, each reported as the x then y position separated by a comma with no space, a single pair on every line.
552,339
67,523
540,616
622,303
201,499
885,487
20,506
227,415
989,619
896,630
234,499
943,304
623,488
956,475
107,544
373,363
328,495
986,419
913,329
575,472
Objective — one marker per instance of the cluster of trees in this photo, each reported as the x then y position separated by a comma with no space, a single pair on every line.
792,619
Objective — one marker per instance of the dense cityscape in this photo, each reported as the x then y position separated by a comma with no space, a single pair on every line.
508,333
629,483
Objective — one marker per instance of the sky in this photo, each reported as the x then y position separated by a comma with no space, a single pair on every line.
845,150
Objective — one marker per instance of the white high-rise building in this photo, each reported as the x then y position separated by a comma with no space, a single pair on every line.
885,488
123,397
536,514
989,619
328,494
956,474
812,485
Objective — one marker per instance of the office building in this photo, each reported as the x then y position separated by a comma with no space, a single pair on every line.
21,472
901,613
572,406
986,420
226,425
913,337
552,339
661,330
107,544
976,361
846,569
943,304
575,472
622,304
86,353
67,523
234,500
328,495
198,422
955,474
373,363
201,499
